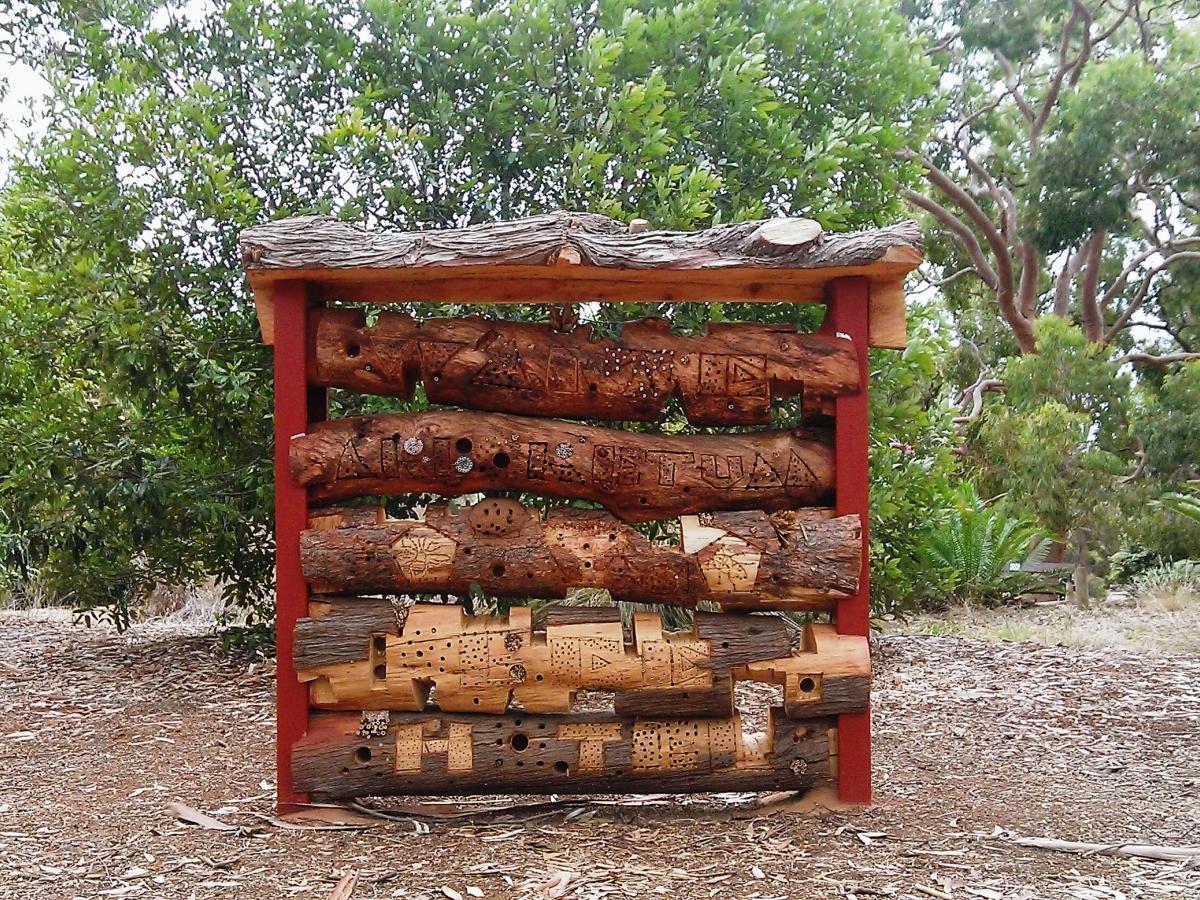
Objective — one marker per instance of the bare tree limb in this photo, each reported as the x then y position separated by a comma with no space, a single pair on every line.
1139,450
1056,81
1064,280
1149,359
960,230
1013,83
976,392
1143,291
1093,323
1030,269
1005,289
1119,284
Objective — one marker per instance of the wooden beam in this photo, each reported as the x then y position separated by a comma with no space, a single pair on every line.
637,476
742,560
516,262
727,376
361,653
346,754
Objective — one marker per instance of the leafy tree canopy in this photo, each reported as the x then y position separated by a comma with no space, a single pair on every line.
134,427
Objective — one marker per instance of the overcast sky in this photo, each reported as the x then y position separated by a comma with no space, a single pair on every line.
23,85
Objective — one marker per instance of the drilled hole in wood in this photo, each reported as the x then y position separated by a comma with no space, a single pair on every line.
380,644
463,445
381,671
352,350
561,767
501,460
362,754
807,684
498,570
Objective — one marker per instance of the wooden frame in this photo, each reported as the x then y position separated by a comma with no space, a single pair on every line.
859,278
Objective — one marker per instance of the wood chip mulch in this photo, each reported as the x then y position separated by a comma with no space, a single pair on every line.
113,746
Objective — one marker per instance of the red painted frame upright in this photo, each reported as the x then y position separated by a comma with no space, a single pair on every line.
847,313
297,406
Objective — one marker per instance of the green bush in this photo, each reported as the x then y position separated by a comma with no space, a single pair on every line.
973,546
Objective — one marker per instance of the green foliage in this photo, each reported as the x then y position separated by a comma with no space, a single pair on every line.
1125,565
1184,504
134,426
1181,577
913,464
1058,444
972,547
1126,118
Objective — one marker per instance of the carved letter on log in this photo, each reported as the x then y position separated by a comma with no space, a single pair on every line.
637,476
726,377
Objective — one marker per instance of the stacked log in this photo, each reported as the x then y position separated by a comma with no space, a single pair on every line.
423,697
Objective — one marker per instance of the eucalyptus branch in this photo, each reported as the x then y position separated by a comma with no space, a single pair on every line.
1157,361
1093,322
1143,291
975,393
960,230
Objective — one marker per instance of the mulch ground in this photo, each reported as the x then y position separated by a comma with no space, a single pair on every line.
976,742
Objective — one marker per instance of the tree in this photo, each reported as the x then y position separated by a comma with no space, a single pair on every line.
134,430
1065,168
1062,184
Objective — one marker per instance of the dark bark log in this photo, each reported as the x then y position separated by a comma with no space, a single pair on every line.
637,476
714,702
831,675
483,664
742,560
727,377
344,755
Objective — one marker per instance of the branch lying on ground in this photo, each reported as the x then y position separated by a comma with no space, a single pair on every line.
1141,851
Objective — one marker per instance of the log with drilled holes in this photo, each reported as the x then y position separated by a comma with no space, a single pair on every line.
742,560
725,377
356,654
346,754
637,476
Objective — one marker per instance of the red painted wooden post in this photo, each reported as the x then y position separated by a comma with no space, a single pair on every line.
847,313
296,405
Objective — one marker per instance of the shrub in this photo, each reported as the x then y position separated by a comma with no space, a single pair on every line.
973,545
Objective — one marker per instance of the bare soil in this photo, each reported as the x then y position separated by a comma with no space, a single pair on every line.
976,741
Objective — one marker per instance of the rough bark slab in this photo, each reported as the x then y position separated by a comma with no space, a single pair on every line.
346,755
484,663
726,377
575,257
832,674
742,560
637,476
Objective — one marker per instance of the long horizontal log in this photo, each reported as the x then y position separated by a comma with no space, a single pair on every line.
742,560
365,654
725,377
637,476
347,755
568,239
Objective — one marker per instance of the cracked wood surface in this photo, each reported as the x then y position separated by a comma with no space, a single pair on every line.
727,376
579,257
638,476
742,560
